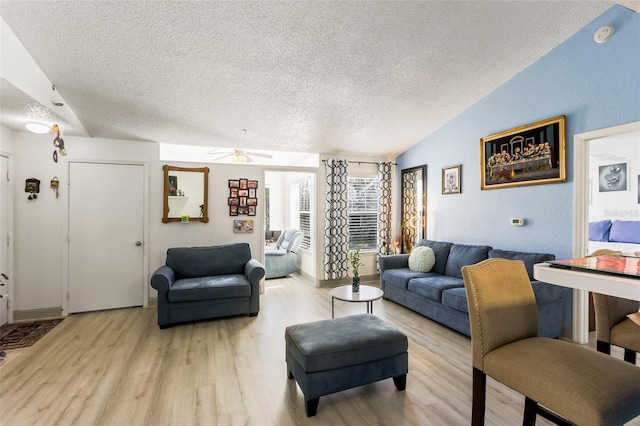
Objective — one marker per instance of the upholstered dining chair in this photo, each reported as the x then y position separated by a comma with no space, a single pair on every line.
561,381
613,327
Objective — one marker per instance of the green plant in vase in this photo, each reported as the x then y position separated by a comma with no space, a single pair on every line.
354,260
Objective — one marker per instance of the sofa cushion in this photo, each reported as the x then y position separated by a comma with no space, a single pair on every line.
462,255
194,262
599,231
529,259
432,287
441,251
455,298
400,277
625,232
422,259
203,288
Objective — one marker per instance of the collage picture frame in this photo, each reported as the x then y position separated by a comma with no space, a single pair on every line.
243,199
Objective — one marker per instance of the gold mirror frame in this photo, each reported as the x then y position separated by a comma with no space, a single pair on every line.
413,200
204,217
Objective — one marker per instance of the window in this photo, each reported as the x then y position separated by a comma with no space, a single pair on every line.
303,211
364,198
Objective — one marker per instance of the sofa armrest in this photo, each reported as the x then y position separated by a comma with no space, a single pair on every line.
393,261
162,279
254,271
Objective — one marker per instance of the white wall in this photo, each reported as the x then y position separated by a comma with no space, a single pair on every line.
39,224
615,205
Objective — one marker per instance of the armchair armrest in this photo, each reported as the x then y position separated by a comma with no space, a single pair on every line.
254,271
163,278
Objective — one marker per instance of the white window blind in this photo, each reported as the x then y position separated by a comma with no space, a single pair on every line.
364,198
304,212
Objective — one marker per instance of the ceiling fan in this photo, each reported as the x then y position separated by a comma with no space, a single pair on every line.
239,155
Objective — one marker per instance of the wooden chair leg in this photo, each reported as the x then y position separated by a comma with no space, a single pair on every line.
603,347
630,356
479,397
530,411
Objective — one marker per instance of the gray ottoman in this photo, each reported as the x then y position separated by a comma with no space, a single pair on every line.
337,354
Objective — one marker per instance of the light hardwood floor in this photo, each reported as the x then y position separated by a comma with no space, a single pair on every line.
118,368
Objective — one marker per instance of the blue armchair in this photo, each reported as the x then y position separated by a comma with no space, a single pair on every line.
280,260
207,282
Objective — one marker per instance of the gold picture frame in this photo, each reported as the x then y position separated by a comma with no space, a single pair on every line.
528,155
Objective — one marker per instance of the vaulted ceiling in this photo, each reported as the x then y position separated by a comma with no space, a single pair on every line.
326,77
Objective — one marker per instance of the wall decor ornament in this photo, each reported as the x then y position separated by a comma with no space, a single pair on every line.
529,155
242,197
451,179
612,177
243,226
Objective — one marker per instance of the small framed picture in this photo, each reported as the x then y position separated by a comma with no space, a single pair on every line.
233,210
612,177
252,211
234,201
243,193
243,210
243,201
253,184
244,183
252,192
234,183
252,201
233,192
451,179
243,226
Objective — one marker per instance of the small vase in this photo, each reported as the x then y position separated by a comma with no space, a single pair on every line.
355,284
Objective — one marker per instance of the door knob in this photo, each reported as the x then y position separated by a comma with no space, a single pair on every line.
138,243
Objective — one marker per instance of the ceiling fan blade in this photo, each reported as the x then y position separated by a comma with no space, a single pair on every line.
258,154
224,156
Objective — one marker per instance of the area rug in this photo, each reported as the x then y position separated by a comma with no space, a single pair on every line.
21,335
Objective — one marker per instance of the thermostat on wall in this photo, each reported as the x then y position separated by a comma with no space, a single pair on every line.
517,221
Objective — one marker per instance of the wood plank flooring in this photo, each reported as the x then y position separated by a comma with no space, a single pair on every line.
118,368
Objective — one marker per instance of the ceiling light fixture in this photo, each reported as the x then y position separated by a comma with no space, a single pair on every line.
37,128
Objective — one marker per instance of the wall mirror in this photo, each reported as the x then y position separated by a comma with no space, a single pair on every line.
413,202
185,194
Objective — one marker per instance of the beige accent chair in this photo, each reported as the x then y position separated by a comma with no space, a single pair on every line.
561,381
613,327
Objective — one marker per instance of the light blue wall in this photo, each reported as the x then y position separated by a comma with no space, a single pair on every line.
593,85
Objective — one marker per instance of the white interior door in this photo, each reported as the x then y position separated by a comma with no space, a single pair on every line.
106,227
4,241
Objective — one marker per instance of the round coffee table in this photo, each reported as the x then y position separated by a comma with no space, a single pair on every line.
366,294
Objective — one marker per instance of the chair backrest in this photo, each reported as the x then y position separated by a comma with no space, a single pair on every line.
610,310
288,240
502,305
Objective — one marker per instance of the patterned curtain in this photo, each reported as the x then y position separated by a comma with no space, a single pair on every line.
336,229
385,230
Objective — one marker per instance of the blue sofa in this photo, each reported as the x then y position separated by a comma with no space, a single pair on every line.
440,294
199,283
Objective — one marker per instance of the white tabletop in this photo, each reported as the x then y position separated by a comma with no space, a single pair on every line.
609,284
367,293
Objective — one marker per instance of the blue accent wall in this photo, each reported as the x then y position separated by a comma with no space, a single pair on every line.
594,85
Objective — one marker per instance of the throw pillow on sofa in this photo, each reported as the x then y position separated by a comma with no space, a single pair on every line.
422,259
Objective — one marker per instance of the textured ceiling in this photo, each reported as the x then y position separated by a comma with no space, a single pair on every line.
325,77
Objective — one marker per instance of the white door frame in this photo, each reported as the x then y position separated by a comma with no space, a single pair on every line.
145,245
9,243
580,319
